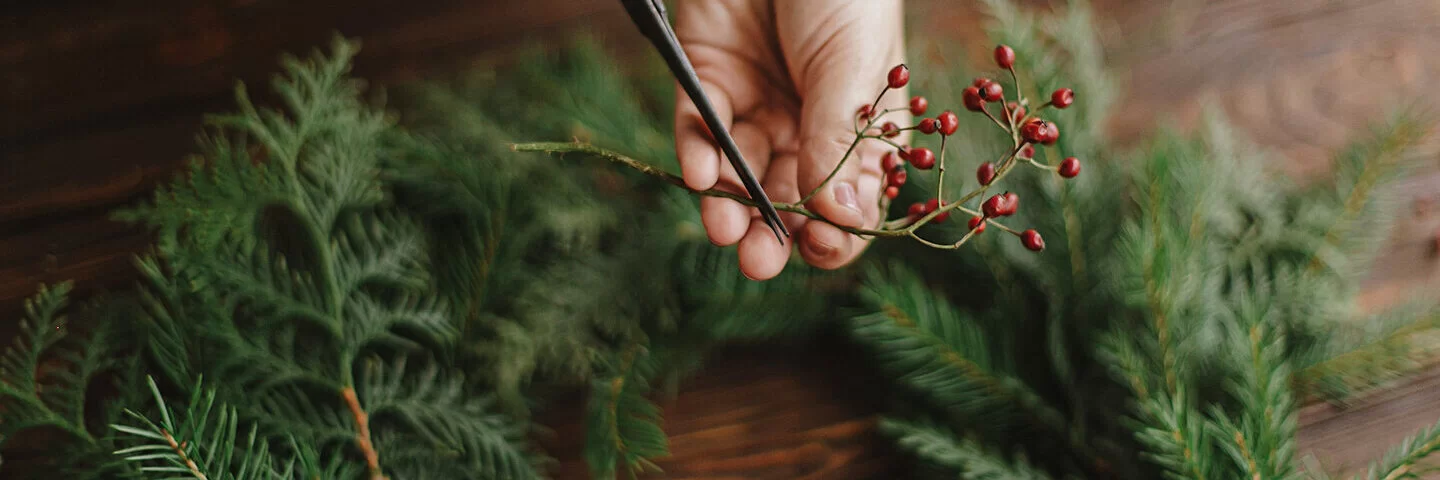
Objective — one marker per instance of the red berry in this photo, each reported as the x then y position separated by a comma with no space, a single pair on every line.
888,161
992,92
897,177
1033,131
922,158
972,100
981,81
1032,240
1070,167
1052,133
916,211
1017,112
994,206
890,130
899,76
892,191
977,224
1062,98
1039,131
1011,204
928,126
1005,56
949,122
986,173
933,205
918,104
864,112
1027,152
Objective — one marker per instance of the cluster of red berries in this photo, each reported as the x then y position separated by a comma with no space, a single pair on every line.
1027,129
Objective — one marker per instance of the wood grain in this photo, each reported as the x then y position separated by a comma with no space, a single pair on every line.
98,101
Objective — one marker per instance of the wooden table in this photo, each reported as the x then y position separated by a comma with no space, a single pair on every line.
99,100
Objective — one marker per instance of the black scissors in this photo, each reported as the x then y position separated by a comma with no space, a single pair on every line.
649,15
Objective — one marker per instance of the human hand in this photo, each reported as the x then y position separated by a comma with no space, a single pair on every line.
786,78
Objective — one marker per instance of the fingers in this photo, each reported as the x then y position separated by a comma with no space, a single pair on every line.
839,53
727,220
761,257
826,246
695,148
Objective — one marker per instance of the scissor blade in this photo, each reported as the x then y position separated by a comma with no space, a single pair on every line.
649,16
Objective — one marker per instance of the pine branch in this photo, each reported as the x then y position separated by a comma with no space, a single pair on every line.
1400,462
937,446
199,442
1262,443
938,352
1355,361
1168,425
623,427
1364,170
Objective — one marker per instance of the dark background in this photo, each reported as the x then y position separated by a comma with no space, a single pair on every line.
99,100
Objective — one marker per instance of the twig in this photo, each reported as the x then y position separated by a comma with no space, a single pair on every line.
362,434
594,151
180,450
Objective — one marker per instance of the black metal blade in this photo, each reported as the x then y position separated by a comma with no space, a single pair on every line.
649,16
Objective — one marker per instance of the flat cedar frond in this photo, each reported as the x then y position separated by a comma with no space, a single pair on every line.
622,431
430,405
939,447
20,378
45,378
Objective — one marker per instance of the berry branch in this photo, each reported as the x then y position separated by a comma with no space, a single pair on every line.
1025,129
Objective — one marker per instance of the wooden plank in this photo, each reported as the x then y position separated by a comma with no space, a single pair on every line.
816,421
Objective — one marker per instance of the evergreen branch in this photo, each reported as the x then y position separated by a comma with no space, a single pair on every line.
1263,443
200,442
1371,362
1376,161
438,410
27,398
930,347
362,434
1166,425
1399,462
939,447
623,427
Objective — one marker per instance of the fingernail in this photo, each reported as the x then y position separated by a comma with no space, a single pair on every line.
845,195
819,249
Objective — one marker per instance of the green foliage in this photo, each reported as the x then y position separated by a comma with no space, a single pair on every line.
972,462
305,289
375,300
205,440
1401,461
46,378
623,427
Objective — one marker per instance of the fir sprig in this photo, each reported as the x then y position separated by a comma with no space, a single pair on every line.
204,441
967,457
1400,461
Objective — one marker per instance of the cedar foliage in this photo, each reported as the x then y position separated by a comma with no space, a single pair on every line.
366,299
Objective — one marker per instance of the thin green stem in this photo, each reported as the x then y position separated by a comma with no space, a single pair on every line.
940,180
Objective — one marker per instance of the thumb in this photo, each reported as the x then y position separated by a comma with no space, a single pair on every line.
838,53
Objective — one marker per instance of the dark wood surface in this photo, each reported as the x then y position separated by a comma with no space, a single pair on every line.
98,101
